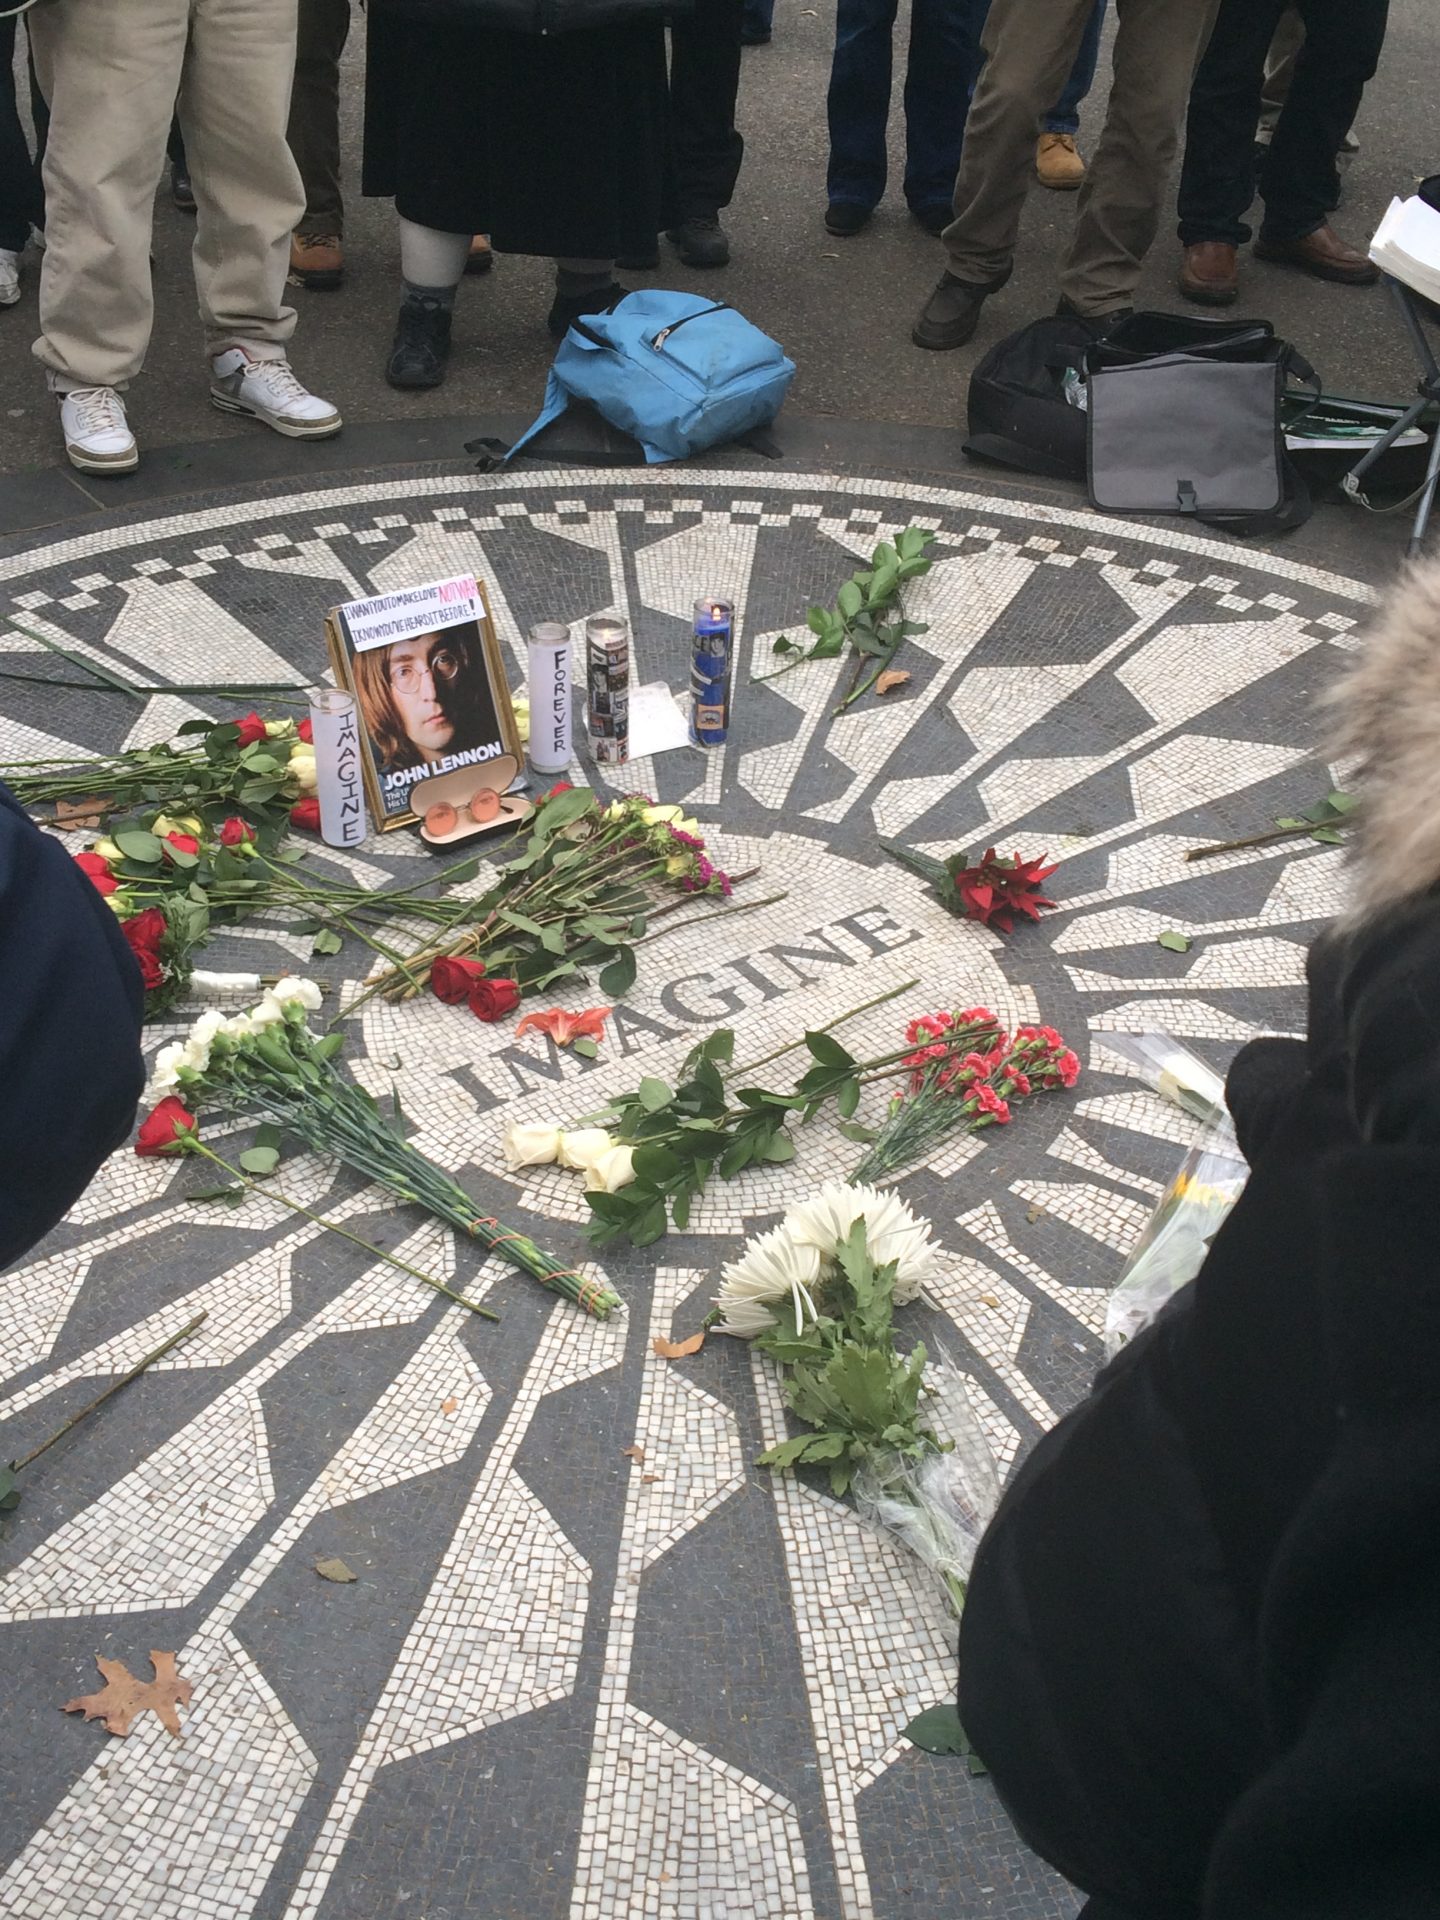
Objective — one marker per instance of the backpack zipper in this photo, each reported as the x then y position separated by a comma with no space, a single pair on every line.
657,345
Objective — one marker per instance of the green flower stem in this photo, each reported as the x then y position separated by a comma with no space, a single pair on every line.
720,913
864,1007
157,1353
192,1144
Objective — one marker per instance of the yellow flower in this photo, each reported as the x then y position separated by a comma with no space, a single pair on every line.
677,864
107,850
522,718
180,823
279,729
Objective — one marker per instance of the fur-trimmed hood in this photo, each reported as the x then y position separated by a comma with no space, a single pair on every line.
1386,712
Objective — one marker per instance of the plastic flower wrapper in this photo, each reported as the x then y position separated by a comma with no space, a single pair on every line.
1170,1069
1172,1249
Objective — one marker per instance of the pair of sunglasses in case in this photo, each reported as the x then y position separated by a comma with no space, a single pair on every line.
468,800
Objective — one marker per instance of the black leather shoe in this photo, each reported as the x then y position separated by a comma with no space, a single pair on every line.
952,313
421,345
181,191
570,307
701,241
845,218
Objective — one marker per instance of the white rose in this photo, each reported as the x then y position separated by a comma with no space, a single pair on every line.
530,1146
279,729
611,1170
293,991
581,1148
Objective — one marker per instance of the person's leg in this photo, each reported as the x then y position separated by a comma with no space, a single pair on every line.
1030,46
110,75
1217,179
431,266
234,100
708,149
941,69
1341,50
313,129
858,102
1285,45
1064,116
20,203
758,23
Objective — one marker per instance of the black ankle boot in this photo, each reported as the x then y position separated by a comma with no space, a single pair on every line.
570,307
421,345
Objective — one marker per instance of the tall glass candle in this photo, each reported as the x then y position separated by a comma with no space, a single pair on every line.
336,727
549,690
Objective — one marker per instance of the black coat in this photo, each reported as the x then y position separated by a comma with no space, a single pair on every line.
1201,1649
71,1001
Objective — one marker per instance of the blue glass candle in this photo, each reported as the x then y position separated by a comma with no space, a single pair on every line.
713,629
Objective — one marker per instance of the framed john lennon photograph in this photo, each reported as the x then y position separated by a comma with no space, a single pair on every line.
428,677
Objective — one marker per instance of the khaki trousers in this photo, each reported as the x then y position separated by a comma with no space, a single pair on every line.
112,71
1031,46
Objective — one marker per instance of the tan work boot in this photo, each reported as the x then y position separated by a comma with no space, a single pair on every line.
1058,163
481,258
317,260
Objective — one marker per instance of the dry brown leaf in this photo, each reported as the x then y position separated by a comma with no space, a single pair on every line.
449,1406
123,1698
334,1569
679,1349
892,678
637,1454
1035,1213
88,811
989,1300
648,1479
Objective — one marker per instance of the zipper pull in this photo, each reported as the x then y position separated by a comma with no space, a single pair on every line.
657,345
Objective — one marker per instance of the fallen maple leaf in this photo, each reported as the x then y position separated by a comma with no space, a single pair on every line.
564,1027
637,1454
334,1569
678,1349
123,1698
88,811
892,678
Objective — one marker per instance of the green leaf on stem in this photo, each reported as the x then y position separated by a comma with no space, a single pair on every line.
9,1490
656,1166
828,1051
327,941
136,844
1174,942
268,1135
848,1098
619,976
938,1730
853,1130
653,1094
260,1160
779,1147
327,1048
585,1047
786,1454
650,1225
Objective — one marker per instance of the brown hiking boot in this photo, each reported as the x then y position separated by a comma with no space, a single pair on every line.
1321,253
1209,273
317,261
1058,163
481,259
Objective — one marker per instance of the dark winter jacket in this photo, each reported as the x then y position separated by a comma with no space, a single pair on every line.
1201,1649
71,1072
529,16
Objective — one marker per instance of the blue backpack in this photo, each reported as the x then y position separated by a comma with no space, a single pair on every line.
678,372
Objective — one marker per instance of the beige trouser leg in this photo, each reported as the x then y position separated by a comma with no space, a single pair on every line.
1157,46
112,71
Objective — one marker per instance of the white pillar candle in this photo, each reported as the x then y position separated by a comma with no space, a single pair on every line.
549,691
336,727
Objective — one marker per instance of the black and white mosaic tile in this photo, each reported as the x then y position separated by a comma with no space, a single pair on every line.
563,1687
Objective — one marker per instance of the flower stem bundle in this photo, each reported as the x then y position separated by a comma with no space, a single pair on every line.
267,1064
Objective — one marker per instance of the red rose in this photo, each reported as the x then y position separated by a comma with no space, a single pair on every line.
493,999
306,813
152,974
305,731
252,728
182,843
158,1133
234,832
97,872
560,786
145,930
452,980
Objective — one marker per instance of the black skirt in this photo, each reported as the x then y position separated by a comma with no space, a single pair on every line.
553,144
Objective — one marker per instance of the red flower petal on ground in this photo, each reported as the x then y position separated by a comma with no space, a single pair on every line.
451,978
145,930
306,814
234,832
160,1130
493,999
252,729
182,843
564,1027
305,731
560,786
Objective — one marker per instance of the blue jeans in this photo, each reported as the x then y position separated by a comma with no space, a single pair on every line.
942,66
759,17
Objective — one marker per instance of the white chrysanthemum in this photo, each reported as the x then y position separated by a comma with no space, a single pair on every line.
293,991
168,1062
892,1231
773,1267
582,1147
530,1146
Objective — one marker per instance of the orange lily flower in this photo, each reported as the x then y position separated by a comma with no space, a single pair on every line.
564,1027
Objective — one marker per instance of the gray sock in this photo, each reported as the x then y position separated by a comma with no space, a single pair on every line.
413,296
569,282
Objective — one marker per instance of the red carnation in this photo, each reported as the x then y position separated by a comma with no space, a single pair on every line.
145,930
160,1132
252,729
493,999
152,974
996,889
453,979
98,873
182,843
234,832
306,814
305,731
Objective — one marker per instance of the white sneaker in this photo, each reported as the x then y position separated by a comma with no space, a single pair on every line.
268,390
9,277
97,436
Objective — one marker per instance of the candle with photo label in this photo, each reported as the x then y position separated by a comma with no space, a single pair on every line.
710,671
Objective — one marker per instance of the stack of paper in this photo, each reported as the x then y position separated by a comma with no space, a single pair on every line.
1407,245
